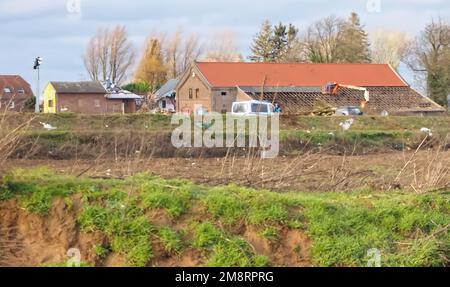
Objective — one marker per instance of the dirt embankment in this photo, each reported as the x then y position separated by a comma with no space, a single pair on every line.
32,240
132,144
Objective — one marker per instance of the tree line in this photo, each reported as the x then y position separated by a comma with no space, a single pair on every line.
111,55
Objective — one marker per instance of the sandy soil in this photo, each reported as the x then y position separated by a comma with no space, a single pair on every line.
32,240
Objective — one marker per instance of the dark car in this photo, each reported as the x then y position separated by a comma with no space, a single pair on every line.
348,111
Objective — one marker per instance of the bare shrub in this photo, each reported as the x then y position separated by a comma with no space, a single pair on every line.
11,134
250,168
425,175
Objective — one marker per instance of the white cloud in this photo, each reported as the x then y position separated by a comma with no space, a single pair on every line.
24,7
45,27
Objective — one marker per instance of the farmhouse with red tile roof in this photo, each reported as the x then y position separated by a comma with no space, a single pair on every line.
15,92
299,87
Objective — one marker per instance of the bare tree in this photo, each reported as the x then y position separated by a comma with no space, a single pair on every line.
322,39
223,48
104,43
179,52
109,54
172,50
388,47
191,51
91,59
429,53
122,54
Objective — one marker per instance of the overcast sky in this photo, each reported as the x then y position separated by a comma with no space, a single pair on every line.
50,29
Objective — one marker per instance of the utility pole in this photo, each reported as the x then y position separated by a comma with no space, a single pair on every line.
37,65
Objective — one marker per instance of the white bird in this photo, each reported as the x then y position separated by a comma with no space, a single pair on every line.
48,127
347,124
426,131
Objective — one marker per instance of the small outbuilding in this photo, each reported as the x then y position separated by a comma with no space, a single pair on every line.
88,97
165,97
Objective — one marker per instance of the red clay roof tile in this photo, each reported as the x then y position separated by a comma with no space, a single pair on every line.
15,83
284,75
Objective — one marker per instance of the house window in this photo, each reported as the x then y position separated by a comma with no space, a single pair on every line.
12,105
190,94
7,90
224,93
164,104
21,90
50,103
197,91
97,103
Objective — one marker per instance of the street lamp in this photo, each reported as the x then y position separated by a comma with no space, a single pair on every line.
37,64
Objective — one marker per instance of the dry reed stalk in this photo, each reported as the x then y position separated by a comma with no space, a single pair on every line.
11,135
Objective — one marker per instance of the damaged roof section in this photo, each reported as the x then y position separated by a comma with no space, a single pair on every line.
396,100
168,89
93,87
122,95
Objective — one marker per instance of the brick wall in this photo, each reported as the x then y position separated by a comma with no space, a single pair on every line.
222,99
13,103
93,104
82,103
193,92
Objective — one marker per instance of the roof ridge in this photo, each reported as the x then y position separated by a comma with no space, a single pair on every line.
291,63
224,74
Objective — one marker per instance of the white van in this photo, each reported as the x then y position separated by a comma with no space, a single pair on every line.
249,108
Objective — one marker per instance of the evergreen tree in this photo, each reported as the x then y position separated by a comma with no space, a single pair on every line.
354,45
275,44
294,47
438,85
280,42
262,47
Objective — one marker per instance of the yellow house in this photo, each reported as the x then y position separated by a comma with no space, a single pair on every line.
89,97
49,99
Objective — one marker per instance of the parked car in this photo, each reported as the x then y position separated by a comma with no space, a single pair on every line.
249,108
348,111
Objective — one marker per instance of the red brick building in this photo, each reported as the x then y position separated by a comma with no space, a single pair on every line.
299,87
15,92
87,98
